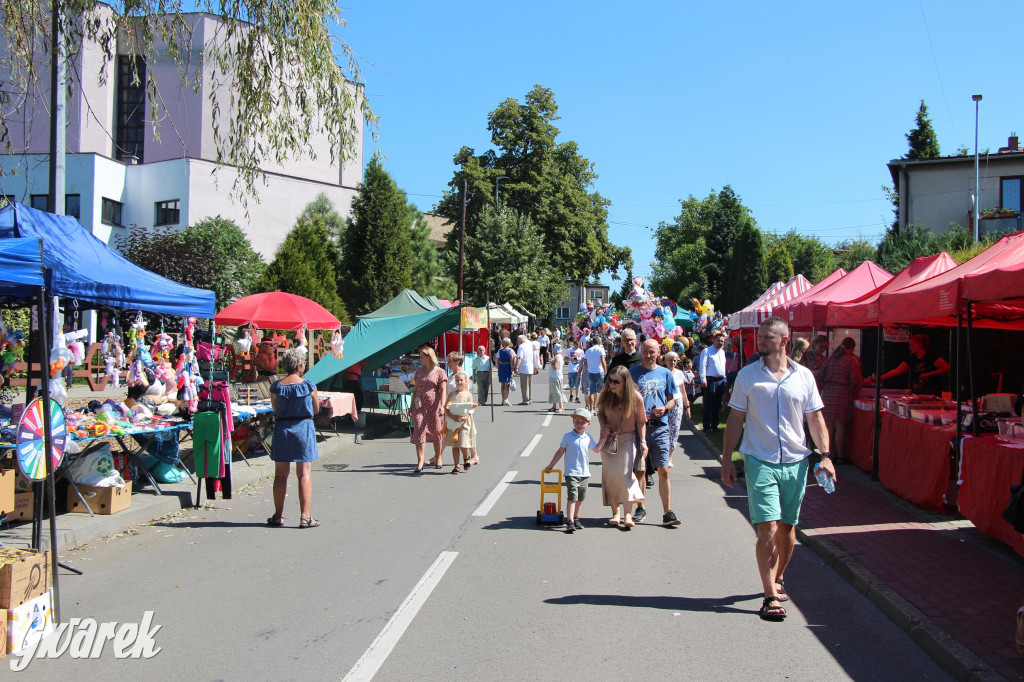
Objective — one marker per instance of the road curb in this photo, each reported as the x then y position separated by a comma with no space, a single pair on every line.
943,648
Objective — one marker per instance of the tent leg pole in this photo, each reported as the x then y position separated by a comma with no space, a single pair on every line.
970,371
878,404
48,487
956,389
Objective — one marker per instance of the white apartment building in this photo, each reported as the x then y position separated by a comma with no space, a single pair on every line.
122,170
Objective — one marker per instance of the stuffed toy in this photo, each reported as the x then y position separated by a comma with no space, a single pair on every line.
338,344
76,345
112,371
161,348
300,341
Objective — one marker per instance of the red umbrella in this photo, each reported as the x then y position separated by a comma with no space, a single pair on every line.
277,310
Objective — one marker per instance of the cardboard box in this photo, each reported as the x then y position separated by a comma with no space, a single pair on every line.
106,500
25,578
7,491
24,506
29,621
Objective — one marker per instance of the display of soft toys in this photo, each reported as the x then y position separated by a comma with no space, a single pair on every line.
300,341
161,348
12,348
337,344
76,344
246,343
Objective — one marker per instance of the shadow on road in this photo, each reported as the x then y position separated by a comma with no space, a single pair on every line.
700,604
210,524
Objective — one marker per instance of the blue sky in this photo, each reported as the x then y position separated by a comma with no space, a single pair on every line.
797,105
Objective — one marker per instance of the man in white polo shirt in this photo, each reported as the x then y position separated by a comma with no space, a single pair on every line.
773,397
597,367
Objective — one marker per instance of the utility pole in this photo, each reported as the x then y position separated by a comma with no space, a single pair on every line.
977,190
462,239
58,114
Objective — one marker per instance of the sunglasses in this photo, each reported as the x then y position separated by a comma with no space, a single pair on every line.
613,382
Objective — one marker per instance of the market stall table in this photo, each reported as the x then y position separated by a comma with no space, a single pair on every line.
146,435
861,436
988,467
259,417
914,460
334,404
397,405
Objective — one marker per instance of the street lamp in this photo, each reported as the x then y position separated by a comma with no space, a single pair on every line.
497,180
977,190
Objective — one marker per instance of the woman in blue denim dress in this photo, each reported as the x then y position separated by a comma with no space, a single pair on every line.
295,401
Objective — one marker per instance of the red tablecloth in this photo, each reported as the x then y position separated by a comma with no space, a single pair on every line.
339,404
914,460
861,438
988,467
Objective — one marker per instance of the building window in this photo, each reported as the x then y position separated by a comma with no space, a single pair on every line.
73,206
112,211
40,202
131,109
595,294
1010,193
561,313
168,212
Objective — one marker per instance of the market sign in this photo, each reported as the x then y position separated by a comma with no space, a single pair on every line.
474,318
897,334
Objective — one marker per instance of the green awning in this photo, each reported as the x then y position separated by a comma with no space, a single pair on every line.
407,302
377,341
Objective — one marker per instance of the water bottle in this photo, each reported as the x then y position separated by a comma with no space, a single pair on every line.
825,482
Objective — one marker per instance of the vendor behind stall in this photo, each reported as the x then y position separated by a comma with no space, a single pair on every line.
925,366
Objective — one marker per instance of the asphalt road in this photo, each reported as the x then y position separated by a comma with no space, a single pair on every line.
408,579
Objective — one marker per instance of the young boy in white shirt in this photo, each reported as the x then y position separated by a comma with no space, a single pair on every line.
574,446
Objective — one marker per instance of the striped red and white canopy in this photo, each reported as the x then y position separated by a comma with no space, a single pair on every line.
761,309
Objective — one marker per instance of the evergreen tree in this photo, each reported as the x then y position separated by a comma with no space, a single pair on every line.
778,264
304,266
428,276
376,253
507,245
745,276
922,140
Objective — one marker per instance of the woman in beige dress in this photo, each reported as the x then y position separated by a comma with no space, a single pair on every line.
620,410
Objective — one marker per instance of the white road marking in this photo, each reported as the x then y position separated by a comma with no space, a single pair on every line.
495,494
547,420
531,446
373,658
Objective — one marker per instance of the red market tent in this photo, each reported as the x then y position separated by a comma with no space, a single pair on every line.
277,310
998,292
939,300
863,311
836,275
808,311
756,313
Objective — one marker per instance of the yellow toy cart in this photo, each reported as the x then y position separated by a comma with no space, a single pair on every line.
550,512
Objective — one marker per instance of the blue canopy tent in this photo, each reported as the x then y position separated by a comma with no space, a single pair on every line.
21,267
376,341
81,267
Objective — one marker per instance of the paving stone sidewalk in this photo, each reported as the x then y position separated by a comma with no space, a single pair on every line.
955,590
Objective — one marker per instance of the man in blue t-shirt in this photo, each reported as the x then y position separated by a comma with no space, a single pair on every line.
657,386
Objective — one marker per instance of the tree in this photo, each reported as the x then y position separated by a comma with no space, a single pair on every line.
778,264
547,181
811,256
507,260
376,249
896,250
692,253
428,277
853,252
746,276
271,70
922,140
304,266
213,254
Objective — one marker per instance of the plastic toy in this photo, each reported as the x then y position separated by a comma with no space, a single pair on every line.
550,512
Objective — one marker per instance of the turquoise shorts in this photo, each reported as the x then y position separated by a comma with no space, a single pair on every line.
775,491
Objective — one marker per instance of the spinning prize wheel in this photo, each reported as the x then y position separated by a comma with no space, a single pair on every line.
30,444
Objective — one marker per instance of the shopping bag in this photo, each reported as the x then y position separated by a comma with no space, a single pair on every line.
512,384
